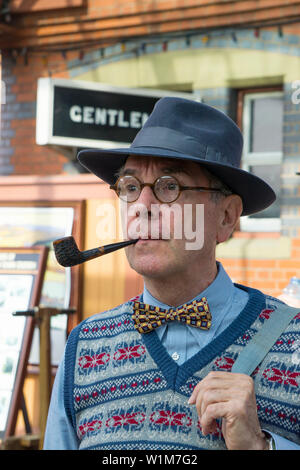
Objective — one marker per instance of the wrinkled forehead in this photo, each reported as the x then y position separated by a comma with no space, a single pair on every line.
138,164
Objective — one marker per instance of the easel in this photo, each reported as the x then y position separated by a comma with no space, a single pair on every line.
42,317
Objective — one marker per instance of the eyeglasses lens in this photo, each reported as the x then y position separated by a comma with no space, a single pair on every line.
165,188
128,188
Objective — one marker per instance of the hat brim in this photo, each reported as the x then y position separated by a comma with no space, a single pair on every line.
256,194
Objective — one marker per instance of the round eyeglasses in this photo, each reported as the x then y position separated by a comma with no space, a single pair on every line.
165,188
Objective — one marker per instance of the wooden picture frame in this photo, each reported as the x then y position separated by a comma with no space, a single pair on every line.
77,232
11,200
22,273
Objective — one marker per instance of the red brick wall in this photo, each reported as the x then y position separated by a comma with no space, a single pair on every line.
269,275
18,116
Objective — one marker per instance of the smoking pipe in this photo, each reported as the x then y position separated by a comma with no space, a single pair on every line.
68,254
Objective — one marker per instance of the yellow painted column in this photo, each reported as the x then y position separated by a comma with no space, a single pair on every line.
104,277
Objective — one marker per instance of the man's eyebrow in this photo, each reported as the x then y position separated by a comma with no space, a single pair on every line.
177,169
126,171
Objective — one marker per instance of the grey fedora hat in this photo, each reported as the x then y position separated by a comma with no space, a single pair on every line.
188,130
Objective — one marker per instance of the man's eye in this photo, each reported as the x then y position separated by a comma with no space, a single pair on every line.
130,188
172,186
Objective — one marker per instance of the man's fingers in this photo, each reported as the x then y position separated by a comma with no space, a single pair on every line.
222,381
193,397
216,393
210,397
210,415
229,397
213,378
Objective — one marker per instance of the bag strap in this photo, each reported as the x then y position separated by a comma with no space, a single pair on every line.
259,346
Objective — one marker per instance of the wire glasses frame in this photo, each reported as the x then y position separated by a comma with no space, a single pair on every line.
166,188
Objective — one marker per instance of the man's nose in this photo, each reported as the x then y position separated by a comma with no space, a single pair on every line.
146,203
147,197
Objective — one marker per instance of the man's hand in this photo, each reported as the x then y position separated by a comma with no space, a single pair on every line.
231,397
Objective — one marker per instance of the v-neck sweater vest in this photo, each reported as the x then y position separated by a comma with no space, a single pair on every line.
122,390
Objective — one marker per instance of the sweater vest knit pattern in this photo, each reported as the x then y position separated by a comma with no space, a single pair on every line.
123,391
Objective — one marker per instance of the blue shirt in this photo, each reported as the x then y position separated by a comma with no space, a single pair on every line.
225,300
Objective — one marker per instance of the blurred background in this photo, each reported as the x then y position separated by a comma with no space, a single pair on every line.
86,73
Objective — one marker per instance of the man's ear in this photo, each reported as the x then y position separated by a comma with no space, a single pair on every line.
231,208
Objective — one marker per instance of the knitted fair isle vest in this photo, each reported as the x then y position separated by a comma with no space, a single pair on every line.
123,390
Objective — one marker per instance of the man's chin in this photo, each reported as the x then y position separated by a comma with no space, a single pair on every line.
149,266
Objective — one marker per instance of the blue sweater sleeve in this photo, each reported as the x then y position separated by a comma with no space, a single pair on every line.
59,434
283,444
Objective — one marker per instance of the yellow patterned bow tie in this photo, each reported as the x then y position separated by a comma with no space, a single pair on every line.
195,313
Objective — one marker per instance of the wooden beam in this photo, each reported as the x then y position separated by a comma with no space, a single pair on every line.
78,39
69,26
61,187
26,6
7,29
46,32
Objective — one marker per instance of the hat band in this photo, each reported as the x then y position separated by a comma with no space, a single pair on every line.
168,139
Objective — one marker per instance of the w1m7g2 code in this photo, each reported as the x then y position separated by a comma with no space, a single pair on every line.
171,459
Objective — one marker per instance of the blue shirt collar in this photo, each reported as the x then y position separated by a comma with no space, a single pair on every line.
218,293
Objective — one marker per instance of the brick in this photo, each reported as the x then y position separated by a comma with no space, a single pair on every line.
295,254
251,273
281,285
296,242
17,123
24,97
289,264
262,263
23,140
264,285
23,131
289,274
263,274
278,274
237,273
233,262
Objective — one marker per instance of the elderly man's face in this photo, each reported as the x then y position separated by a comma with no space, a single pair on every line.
161,251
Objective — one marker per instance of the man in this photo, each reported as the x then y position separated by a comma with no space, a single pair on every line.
129,383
